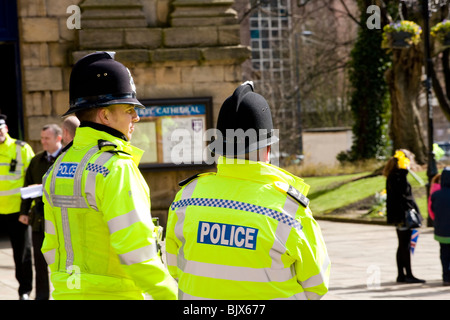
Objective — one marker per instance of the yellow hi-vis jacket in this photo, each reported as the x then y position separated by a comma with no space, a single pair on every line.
99,236
15,156
246,233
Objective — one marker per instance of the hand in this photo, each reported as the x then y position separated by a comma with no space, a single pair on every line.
23,219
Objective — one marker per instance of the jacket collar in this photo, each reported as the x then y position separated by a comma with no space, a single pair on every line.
102,127
259,171
88,134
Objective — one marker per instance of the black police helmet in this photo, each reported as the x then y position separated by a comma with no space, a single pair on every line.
97,80
248,115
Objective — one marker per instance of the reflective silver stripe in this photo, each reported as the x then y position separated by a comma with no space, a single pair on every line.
50,256
279,245
298,296
19,157
89,188
123,221
10,192
44,180
290,206
80,169
67,237
69,202
318,278
185,296
171,259
17,176
188,191
234,273
138,255
282,233
49,227
178,230
312,295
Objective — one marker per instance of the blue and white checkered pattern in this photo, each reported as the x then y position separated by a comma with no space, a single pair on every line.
97,168
237,205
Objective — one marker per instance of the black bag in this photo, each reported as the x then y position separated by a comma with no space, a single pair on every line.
413,219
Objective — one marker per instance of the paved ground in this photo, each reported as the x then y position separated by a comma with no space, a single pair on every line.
363,265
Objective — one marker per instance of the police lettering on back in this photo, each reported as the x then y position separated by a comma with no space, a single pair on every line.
227,235
67,170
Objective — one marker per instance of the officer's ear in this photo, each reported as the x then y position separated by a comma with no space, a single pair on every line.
264,154
103,116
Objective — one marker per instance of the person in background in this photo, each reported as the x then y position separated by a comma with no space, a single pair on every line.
440,204
15,156
435,185
69,127
399,199
51,136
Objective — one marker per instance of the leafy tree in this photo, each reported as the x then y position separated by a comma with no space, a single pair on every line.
369,97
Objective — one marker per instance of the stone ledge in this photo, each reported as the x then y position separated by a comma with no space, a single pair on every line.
168,55
108,3
196,37
230,54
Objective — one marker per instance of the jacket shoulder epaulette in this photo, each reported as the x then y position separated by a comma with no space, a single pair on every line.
108,146
293,193
195,176
20,143
102,144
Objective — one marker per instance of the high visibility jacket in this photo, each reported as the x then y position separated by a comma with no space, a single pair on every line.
15,156
246,233
99,236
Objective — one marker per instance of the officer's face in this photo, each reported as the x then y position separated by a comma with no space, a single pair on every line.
122,117
3,132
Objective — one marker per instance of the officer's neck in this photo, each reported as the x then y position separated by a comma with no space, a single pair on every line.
102,127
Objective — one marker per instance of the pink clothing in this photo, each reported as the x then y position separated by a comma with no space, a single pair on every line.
434,187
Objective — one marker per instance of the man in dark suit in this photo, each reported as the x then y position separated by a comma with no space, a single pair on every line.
51,136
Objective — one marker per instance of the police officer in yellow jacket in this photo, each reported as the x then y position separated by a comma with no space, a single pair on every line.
15,156
245,232
99,237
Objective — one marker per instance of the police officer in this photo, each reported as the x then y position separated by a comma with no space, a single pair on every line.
99,236
245,232
15,156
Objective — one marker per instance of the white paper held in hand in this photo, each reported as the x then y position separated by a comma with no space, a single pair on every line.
33,191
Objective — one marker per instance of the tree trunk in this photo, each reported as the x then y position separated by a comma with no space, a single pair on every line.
404,80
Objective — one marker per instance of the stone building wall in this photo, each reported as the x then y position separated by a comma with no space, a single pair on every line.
185,48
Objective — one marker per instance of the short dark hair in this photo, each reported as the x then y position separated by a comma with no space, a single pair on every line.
54,127
87,114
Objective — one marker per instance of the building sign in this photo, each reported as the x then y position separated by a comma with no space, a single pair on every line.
171,131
